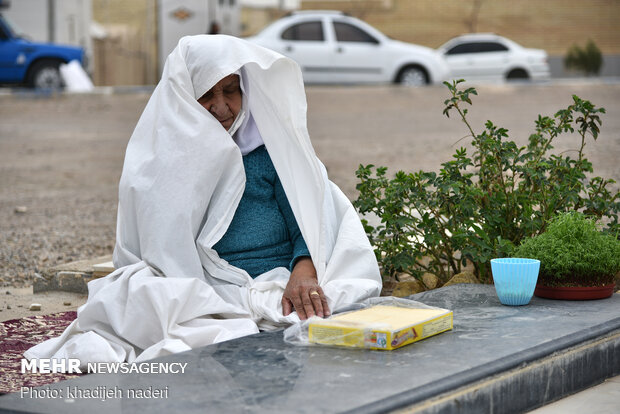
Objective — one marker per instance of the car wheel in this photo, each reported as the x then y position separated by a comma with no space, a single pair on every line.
412,76
517,74
45,74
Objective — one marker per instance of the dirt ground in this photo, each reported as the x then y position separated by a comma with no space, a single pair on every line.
16,302
61,158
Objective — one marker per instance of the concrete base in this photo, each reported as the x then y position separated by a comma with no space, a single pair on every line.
600,399
529,386
496,359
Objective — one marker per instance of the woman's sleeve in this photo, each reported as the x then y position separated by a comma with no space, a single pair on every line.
299,245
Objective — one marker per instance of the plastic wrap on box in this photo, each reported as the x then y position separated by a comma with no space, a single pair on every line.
384,323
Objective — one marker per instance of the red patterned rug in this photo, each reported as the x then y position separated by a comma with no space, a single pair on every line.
16,336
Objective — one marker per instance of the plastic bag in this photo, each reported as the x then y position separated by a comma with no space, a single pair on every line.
75,78
377,323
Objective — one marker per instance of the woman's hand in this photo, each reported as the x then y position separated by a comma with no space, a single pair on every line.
303,292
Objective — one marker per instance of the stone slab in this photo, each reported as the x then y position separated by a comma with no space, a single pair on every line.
70,277
82,265
497,358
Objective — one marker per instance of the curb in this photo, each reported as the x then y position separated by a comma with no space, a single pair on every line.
98,90
148,89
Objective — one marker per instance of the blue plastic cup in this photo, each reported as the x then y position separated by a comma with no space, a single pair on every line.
515,279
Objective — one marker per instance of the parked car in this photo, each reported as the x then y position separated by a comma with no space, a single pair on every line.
486,56
33,64
332,47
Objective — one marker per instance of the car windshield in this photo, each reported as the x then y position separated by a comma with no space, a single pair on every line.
10,26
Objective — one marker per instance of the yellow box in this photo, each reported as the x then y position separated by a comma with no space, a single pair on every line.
380,327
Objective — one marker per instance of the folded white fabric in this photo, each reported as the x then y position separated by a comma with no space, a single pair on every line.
182,180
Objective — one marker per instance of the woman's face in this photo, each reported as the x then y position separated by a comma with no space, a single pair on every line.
223,100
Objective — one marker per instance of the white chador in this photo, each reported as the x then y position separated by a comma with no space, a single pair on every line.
182,180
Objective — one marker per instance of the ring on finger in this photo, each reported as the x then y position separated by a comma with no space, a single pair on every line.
314,292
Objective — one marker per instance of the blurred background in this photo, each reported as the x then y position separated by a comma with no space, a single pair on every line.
61,154
126,42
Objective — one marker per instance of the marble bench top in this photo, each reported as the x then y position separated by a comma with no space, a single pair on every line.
261,373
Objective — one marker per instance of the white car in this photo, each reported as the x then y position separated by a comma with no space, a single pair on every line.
486,56
331,47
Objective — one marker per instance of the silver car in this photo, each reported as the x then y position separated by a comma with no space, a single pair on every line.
486,56
331,47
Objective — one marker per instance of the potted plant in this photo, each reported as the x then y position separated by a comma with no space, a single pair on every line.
577,261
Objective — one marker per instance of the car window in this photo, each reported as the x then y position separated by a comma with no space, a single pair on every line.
346,32
9,27
306,31
4,29
462,48
476,47
491,47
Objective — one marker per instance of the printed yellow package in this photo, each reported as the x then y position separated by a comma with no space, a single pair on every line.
380,327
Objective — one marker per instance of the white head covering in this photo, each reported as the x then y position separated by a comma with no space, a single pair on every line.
182,180
244,129
183,176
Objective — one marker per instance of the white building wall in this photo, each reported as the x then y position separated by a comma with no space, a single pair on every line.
272,4
30,18
178,18
73,22
58,21
228,15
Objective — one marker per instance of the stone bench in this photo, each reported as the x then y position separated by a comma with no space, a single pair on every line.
496,359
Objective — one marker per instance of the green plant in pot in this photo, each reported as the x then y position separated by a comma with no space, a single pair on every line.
487,198
577,261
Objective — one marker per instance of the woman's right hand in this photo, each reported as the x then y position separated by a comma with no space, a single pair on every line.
303,292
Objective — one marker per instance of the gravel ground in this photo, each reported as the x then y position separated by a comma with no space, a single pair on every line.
61,156
60,161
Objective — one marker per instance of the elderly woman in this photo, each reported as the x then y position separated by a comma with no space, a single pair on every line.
227,223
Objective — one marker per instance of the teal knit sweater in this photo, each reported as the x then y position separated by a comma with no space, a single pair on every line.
263,233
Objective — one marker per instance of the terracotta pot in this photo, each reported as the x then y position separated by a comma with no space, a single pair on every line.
575,293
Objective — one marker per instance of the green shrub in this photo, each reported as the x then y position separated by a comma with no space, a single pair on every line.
478,208
573,252
588,60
